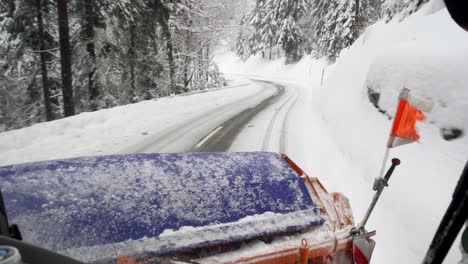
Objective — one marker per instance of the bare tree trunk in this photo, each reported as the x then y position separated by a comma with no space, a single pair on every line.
45,86
207,64
271,44
186,81
132,63
90,17
187,61
164,15
200,64
65,58
11,8
49,43
170,57
164,21
357,9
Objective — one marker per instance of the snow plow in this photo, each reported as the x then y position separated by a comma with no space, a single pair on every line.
254,207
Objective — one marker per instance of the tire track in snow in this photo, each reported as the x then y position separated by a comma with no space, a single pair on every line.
175,139
279,118
284,127
160,142
221,138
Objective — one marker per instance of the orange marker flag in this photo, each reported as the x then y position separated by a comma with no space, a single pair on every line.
410,110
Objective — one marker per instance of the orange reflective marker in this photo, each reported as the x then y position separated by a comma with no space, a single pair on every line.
405,122
128,260
410,110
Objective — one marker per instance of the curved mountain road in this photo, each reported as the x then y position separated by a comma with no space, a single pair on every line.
222,137
213,130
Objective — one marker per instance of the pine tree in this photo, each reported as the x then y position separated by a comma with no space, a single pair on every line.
65,58
257,23
286,14
126,32
275,22
22,45
240,48
164,13
118,52
185,39
269,28
339,23
50,53
345,30
391,8
45,79
89,13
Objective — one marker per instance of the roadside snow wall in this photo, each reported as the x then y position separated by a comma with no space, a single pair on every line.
427,53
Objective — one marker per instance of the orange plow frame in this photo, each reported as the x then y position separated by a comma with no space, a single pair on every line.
337,248
336,210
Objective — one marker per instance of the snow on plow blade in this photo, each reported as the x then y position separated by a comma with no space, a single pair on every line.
161,206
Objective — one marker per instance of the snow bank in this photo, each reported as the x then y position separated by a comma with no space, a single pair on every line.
426,53
429,55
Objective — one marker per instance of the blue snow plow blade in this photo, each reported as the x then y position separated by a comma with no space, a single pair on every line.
94,208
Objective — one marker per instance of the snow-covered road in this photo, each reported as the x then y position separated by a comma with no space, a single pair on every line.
215,128
249,116
254,122
280,127
222,137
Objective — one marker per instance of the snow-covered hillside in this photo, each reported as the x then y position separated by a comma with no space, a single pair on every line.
346,135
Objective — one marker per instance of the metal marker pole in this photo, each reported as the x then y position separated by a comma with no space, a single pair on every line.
321,80
384,162
379,185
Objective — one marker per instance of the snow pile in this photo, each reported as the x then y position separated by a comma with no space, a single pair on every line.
429,62
346,135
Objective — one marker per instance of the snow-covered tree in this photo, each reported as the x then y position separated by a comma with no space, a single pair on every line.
240,48
260,17
402,8
289,35
338,23
339,28
274,22
89,13
269,28
119,52
24,49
